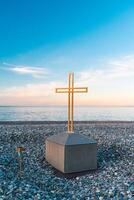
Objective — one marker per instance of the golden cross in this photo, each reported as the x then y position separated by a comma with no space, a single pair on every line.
71,90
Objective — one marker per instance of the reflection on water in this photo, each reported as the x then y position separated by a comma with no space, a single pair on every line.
59,113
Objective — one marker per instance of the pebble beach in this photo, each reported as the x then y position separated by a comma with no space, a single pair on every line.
38,180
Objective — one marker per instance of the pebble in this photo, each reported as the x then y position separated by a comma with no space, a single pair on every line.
100,198
38,181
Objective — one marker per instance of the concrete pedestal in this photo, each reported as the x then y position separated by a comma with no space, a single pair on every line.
71,152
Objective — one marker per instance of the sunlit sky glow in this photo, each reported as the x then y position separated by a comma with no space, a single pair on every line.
41,41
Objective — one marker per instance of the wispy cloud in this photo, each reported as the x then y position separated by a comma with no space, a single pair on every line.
36,72
115,69
30,90
32,94
111,85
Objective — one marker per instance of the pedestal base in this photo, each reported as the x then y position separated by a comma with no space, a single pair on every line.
71,152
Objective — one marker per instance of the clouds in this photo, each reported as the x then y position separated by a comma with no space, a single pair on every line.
113,69
36,72
110,84
29,90
31,94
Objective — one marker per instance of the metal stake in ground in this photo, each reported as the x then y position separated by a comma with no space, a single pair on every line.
19,151
71,90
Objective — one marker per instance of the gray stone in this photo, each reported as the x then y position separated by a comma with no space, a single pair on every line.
71,152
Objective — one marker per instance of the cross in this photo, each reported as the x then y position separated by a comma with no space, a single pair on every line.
71,90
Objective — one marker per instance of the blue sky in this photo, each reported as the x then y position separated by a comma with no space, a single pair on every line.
40,41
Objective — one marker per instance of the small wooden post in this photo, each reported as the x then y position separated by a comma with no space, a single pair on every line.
19,151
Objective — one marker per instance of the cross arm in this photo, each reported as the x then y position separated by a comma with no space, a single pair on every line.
75,90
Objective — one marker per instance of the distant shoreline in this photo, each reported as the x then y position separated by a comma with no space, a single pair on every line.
99,106
60,122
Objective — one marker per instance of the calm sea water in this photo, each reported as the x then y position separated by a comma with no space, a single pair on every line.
56,113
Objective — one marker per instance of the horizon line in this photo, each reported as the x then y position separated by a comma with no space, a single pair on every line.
66,105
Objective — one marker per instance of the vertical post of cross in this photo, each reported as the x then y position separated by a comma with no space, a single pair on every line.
72,107
70,102
69,110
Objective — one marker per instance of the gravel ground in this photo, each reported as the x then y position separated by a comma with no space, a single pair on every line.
112,180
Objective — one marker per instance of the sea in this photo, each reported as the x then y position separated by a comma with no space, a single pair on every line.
59,113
